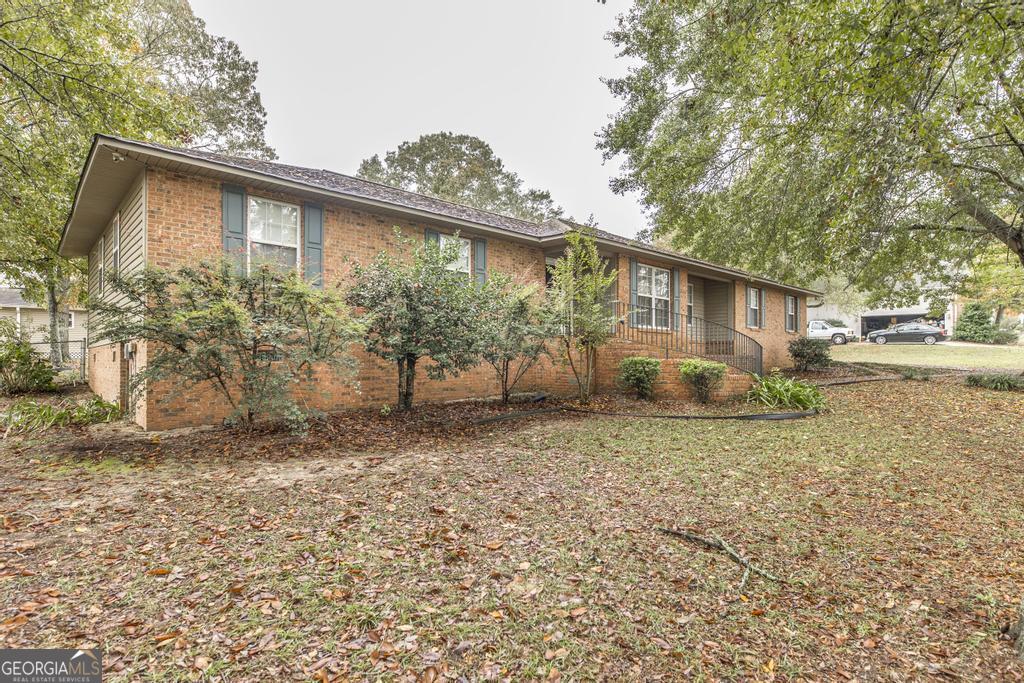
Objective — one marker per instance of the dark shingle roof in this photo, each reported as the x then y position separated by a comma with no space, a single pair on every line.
330,181
358,187
12,298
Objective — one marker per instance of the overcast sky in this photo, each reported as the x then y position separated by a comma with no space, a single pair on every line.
343,80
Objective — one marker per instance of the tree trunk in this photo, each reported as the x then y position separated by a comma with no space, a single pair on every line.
999,314
505,390
1017,633
56,358
410,381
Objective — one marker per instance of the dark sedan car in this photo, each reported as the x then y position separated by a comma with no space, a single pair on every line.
908,332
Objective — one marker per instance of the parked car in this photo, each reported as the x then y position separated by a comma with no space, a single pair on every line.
909,333
821,329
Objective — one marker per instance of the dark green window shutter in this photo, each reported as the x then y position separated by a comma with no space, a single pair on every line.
480,260
797,316
675,298
432,236
234,213
632,292
764,313
314,244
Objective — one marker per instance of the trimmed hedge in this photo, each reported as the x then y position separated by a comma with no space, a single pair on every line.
639,374
810,354
703,375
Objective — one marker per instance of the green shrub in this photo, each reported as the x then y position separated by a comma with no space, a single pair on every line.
1005,336
703,375
22,370
639,374
777,391
917,374
26,415
808,354
975,325
998,382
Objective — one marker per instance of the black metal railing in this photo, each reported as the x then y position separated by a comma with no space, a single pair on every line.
71,355
674,332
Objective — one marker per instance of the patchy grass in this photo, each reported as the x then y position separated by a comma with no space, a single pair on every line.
530,549
946,355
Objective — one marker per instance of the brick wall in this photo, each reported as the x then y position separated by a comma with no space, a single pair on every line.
773,337
184,225
104,371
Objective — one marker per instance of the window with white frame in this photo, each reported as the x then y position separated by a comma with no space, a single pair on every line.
755,312
273,233
115,238
69,321
689,303
652,296
792,314
461,264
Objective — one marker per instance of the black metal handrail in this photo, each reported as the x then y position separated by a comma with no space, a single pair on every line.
686,334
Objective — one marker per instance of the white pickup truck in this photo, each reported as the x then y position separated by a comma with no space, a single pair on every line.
819,329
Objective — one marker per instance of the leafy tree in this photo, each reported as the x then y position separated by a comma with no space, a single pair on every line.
138,68
975,325
513,331
417,308
996,282
875,139
459,168
253,338
576,305
209,71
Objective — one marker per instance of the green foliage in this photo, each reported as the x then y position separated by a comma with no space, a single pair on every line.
142,69
810,354
252,338
778,391
418,307
22,370
26,415
577,308
996,280
996,382
876,140
976,325
705,376
459,168
639,374
512,330
915,374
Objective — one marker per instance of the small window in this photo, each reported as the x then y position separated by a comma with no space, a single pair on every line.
652,297
115,254
755,312
69,321
461,264
689,304
273,233
792,314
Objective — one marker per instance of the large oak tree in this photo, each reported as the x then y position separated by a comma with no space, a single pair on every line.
875,139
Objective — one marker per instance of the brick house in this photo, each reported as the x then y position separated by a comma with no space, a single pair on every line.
141,204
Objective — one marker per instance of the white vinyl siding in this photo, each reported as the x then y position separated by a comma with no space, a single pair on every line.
126,230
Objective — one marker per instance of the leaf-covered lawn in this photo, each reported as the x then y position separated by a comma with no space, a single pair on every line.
530,549
948,355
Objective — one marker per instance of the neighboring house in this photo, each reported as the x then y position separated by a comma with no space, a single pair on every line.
141,204
868,320
33,320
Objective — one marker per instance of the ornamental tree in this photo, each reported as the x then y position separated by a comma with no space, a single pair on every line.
513,330
417,306
577,306
254,338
